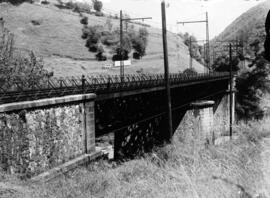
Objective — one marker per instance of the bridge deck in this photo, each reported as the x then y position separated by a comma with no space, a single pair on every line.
105,87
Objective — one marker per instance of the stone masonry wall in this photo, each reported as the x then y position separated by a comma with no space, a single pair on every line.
35,140
222,116
205,124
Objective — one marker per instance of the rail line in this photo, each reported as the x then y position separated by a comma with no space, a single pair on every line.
19,90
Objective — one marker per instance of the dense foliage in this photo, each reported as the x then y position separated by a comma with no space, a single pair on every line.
252,85
97,5
105,39
193,46
251,82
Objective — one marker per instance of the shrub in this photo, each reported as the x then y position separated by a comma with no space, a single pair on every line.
84,20
97,5
139,42
36,22
92,35
190,72
117,56
136,55
100,56
45,2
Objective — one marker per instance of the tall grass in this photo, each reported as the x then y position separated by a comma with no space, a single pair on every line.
176,170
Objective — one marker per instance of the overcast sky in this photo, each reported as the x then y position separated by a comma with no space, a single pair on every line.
221,12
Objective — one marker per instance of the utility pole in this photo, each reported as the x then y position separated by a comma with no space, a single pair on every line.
190,53
207,42
121,48
122,75
207,48
231,91
166,69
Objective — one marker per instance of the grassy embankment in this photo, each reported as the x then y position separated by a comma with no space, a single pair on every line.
56,36
228,170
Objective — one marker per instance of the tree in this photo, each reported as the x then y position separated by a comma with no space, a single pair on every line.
222,64
194,48
84,20
97,5
126,49
252,85
92,35
100,54
139,42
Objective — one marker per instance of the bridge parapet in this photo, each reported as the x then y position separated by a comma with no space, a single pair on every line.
19,90
37,136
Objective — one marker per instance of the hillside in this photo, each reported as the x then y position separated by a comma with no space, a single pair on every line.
55,35
248,27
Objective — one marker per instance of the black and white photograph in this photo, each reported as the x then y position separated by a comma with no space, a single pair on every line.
134,98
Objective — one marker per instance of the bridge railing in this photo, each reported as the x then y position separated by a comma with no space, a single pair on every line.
18,89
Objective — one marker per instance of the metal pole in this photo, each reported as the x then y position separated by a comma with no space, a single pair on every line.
121,47
231,91
166,70
190,53
83,84
207,42
204,55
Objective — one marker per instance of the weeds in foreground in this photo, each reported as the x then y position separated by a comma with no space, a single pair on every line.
176,170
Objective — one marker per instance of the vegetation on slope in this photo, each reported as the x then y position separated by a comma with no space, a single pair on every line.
100,38
27,70
247,28
57,37
252,83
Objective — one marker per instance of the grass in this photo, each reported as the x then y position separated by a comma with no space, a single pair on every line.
177,170
57,38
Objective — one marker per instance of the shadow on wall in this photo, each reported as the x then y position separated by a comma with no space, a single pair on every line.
142,137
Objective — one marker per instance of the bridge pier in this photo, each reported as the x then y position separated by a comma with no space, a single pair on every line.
204,117
206,121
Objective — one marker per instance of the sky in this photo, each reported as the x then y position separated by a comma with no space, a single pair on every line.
221,13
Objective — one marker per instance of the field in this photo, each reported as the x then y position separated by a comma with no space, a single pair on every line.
57,38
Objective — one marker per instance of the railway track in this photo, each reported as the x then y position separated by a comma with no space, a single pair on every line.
57,87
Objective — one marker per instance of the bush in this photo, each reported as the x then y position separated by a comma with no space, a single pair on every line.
36,22
139,43
84,20
97,5
92,35
136,55
100,54
45,2
117,56
190,72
